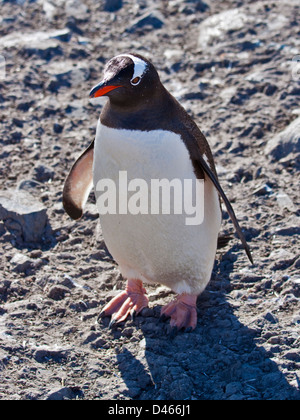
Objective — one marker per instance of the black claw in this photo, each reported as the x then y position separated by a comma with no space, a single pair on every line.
101,315
112,323
163,317
133,315
188,329
173,332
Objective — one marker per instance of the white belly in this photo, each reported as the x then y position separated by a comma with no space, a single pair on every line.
158,248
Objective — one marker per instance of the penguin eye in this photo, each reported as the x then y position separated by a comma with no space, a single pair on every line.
135,81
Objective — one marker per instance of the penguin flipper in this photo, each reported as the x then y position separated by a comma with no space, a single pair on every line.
79,184
229,208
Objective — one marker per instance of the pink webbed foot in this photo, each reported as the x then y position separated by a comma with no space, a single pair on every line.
129,302
182,311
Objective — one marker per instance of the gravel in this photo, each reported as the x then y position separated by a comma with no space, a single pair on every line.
232,66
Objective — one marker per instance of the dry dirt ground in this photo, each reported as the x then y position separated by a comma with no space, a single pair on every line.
234,65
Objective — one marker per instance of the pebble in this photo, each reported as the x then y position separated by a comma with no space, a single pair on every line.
42,173
154,19
58,292
285,202
45,353
30,185
58,128
90,336
112,5
21,263
29,215
64,74
292,230
233,388
285,144
271,318
293,355
76,8
194,5
263,190
45,50
128,331
15,39
281,254
64,393
49,9
4,286
216,26
99,343
4,357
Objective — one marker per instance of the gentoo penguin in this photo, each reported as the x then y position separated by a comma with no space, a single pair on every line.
146,134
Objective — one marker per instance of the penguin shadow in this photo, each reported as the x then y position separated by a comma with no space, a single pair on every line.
219,360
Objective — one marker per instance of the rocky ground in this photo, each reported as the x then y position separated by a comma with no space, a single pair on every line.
233,65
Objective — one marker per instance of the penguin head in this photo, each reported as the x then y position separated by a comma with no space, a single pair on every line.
128,79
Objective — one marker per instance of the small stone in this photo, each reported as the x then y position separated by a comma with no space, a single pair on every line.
288,230
147,312
90,336
263,190
66,75
45,50
153,19
214,28
232,388
112,5
270,89
271,318
58,292
45,353
4,286
281,254
181,387
30,185
286,144
296,319
100,342
28,214
133,391
76,8
62,35
199,5
4,357
293,355
43,174
58,128
16,137
21,263
128,331
64,393
284,201
36,253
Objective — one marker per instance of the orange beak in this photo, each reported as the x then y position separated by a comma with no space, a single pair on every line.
101,89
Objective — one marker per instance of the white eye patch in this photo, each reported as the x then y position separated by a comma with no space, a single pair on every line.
140,66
